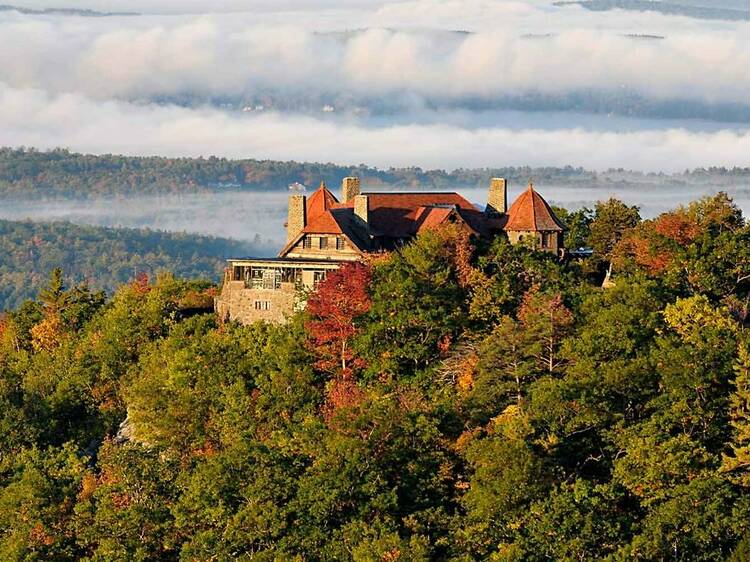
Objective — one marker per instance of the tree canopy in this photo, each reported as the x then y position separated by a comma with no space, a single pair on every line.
453,400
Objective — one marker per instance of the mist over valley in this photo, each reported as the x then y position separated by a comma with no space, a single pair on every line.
258,216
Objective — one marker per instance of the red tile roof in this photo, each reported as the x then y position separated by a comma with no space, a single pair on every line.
319,202
530,212
430,217
395,214
324,223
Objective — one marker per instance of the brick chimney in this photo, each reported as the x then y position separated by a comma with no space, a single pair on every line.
349,189
497,202
296,216
362,208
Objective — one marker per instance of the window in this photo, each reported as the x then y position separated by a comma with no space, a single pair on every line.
256,278
318,276
290,275
339,243
237,273
546,239
264,278
262,305
307,243
323,242
271,278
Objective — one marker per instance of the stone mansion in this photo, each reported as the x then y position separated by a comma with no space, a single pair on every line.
324,232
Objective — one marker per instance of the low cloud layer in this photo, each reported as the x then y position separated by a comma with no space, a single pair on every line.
515,47
192,6
34,118
108,84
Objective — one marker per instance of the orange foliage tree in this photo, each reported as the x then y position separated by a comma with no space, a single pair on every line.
678,226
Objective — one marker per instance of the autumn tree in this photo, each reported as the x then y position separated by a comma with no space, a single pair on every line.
334,308
613,219
546,321
703,248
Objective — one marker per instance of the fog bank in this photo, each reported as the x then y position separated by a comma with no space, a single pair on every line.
259,217
34,118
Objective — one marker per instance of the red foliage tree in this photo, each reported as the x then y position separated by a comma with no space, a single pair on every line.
334,307
343,398
141,284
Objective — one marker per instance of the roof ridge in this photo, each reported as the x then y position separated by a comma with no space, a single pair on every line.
411,193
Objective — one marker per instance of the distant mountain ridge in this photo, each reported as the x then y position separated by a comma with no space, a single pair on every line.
667,8
63,11
29,174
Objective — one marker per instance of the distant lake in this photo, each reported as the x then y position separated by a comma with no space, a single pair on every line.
260,216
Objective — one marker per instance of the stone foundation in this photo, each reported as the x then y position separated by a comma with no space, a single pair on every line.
246,305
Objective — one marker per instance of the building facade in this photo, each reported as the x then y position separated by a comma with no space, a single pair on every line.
323,233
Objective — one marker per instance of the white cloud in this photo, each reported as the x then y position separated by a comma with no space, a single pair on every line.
250,52
71,81
194,6
34,118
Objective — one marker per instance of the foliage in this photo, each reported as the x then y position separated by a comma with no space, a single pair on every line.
32,174
612,220
103,258
339,301
449,401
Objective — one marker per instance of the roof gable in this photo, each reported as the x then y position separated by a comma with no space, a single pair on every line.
338,221
435,216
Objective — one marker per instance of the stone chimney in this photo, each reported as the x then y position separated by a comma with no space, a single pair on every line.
297,216
349,189
362,208
497,202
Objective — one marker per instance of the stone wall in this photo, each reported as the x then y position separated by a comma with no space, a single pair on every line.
554,241
238,303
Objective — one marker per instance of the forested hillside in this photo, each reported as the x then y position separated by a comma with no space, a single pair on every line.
102,257
59,173
450,401
32,174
